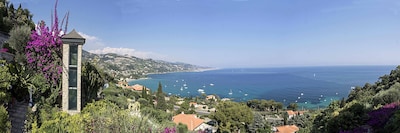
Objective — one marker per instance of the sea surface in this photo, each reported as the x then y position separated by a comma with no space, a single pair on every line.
309,87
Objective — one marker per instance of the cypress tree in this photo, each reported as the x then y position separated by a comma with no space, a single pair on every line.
160,98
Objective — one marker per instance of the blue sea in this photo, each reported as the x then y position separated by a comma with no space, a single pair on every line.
309,87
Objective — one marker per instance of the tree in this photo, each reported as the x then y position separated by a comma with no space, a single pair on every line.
92,82
5,125
292,106
182,128
5,82
19,37
232,116
161,104
44,50
259,124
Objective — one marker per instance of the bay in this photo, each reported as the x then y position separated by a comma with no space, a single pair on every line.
309,87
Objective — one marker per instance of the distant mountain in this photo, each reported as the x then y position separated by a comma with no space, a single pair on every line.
132,67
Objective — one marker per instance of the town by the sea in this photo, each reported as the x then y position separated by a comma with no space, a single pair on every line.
309,87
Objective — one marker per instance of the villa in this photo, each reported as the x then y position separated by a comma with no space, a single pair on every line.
191,121
194,104
286,129
292,113
211,97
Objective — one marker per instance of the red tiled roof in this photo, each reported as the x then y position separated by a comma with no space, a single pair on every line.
188,119
291,112
287,129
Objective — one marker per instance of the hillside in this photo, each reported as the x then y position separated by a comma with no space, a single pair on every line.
371,108
133,67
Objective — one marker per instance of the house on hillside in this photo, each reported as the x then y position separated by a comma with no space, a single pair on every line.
286,129
292,113
211,97
191,121
193,104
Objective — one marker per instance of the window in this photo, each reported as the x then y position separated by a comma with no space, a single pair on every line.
73,76
73,55
72,99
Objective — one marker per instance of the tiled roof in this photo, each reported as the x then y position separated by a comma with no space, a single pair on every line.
291,112
73,34
287,129
190,120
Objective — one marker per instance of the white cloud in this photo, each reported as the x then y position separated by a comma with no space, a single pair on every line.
95,45
132,52
92,42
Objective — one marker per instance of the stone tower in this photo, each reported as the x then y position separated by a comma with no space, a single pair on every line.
71,75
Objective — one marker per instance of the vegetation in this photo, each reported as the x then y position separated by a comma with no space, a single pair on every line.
37,67
371,107
232,116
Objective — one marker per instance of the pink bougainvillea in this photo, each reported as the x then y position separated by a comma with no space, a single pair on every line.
44,50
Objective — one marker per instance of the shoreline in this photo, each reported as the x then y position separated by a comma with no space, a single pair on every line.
147,74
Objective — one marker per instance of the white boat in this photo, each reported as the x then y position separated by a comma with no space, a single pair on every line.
181,88
200,90
184,84
301,93
245,94
230,93
211,84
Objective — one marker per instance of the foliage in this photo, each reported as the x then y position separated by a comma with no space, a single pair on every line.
5,125
5,82
99,116
119,95
160,97
182,128
392,126
19,37
387,96
158,115
11,17
185,108
264,105
292,106
379,117
259,125
232,116
44,50
92,82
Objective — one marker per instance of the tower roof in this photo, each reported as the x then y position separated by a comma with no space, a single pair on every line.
73,34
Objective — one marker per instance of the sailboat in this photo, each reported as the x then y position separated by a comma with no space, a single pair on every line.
230,93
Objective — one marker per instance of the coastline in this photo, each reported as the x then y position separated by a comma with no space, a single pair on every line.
147,74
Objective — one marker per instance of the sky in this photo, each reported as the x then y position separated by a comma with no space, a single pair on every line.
236,33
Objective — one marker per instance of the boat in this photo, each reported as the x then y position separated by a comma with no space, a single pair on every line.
245,94
184,84
200,90
230,93
211,84
181,88
301,93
